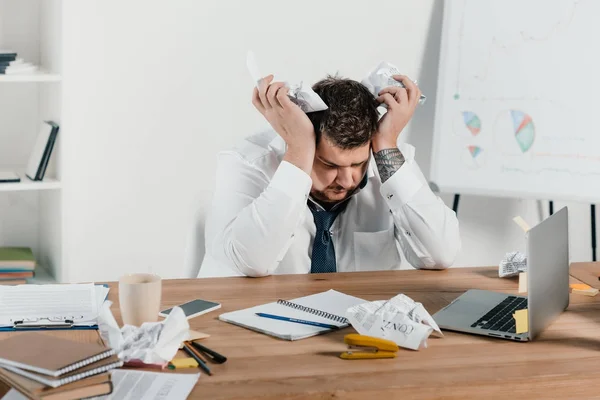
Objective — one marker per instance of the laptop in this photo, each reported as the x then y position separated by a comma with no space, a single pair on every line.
483,312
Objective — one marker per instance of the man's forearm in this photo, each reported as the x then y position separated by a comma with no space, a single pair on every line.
388,161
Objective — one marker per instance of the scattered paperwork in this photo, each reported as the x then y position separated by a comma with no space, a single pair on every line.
399,319
305,97
301,93
152,343
51,304
383,76
134,385
513,263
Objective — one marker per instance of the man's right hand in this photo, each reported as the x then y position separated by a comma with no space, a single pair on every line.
288,120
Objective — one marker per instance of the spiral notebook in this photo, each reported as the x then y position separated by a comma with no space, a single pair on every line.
326,307
49,355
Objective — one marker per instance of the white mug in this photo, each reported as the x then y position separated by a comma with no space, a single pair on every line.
139,298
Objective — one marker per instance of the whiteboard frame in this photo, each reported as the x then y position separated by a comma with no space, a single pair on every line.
437,125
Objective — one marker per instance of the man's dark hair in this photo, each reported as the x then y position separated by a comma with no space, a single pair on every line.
352,116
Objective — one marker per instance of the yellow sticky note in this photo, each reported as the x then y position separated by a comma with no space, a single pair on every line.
521,320
186,362
521,222
579,286
587,292
195,335
523,282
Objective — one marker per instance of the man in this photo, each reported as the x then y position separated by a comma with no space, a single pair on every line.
307,198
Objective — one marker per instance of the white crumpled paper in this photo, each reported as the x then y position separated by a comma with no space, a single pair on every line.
151,343
301,94
512,264
399,319
383,76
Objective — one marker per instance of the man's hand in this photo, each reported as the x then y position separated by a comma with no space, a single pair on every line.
288,120
401,104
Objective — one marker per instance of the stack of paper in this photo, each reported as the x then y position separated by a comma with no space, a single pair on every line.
77,305
10,64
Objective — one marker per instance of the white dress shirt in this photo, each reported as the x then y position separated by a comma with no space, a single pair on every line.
259,222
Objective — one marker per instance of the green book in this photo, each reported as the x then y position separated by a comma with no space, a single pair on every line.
16,258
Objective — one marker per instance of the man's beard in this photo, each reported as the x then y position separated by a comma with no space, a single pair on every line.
322,195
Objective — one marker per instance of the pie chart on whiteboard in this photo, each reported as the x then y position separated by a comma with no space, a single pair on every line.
473,157
467,124
514,130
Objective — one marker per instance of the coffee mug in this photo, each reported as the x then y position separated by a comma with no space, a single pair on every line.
139,298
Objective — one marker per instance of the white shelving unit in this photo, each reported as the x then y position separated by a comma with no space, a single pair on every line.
39,76
26,184
31,211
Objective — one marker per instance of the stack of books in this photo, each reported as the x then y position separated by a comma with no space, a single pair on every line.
42,366
16,265
10,64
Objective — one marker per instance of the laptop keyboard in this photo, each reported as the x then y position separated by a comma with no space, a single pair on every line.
500,318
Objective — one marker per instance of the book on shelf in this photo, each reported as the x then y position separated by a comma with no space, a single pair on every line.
7,55
16,259
13,282
11,65
40,156
9,177
17,264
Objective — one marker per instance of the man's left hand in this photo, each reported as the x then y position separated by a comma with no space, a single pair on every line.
401,104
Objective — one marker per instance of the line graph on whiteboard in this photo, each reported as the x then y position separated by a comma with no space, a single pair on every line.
517,104
530,35
517,93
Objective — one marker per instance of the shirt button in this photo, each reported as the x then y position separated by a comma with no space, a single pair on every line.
389,196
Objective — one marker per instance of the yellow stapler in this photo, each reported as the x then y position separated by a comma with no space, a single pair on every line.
362,347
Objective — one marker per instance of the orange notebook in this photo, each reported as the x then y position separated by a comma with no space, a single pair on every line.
49,355
99,385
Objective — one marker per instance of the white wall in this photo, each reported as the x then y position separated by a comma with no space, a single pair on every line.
152,90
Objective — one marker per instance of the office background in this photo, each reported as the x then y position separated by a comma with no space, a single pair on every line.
150,91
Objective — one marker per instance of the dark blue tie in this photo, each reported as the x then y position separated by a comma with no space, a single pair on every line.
323,253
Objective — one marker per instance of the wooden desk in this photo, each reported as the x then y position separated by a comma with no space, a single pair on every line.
564,362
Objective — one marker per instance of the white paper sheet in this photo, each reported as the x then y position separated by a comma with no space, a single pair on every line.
301,93
47,303
150,343
399,319
134,385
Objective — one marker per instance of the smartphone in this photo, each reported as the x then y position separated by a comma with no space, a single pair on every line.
194,308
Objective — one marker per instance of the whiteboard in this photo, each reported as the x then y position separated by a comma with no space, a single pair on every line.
518,104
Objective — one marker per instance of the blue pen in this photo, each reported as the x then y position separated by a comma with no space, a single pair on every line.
298,321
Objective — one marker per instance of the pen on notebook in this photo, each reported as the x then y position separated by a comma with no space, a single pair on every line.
192,353
298,321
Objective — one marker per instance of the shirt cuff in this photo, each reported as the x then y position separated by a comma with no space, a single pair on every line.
292,181
404,183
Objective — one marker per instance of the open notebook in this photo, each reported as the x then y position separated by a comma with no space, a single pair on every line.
326,307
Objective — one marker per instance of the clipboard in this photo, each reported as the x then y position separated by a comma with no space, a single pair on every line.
51,325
